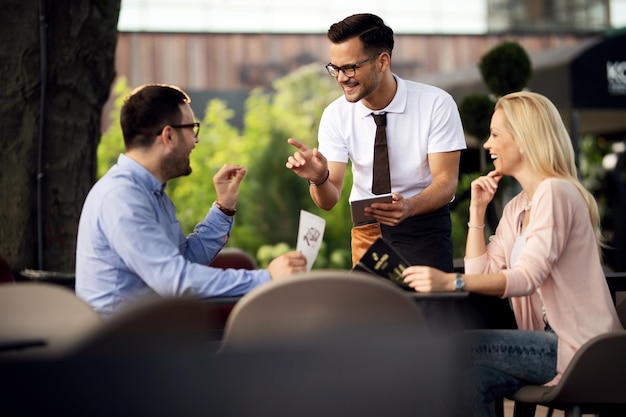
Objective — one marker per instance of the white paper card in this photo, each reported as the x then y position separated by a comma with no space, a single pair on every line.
310,235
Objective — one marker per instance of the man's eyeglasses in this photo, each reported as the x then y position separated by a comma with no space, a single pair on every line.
195,126
348,70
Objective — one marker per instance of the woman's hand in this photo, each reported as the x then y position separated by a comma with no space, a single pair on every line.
428,279
484,188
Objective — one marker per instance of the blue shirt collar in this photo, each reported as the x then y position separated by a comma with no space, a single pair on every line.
141,174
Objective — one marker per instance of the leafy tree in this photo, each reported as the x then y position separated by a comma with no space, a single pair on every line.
506,68
476,110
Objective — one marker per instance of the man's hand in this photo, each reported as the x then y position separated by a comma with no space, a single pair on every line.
227,181
390,214
287,264
307,163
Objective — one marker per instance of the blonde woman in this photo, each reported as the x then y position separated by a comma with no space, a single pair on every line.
545,256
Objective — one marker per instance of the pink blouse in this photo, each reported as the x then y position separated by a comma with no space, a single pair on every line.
559,267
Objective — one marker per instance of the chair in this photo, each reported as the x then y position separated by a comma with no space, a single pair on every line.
233,258
153,358
155,326
308,308
230,258
335,343
592,383
41,320
124,364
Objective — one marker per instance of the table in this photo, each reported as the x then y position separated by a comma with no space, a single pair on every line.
445,311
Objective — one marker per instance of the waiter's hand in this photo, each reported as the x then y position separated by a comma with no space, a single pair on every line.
307,163
390,214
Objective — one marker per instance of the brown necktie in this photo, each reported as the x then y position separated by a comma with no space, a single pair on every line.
381,182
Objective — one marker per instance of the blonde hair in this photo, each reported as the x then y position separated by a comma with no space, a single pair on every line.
538,129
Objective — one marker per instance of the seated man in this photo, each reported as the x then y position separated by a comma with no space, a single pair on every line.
130,244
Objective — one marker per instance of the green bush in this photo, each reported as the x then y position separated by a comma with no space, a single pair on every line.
506,68
476,111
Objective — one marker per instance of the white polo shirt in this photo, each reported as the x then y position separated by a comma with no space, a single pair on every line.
421,119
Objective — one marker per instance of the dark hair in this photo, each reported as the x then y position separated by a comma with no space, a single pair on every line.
371,30
147,109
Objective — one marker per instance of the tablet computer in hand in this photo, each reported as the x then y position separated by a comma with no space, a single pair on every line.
357,209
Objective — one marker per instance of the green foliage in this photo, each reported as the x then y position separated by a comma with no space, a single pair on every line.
218,143
266,253
275,194
112,141
271,196
336,259
593,149
476,110
506,68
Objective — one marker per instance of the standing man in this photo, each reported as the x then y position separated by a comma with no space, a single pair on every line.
130,244
424,135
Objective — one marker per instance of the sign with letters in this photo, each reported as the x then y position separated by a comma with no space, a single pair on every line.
598,75
616,77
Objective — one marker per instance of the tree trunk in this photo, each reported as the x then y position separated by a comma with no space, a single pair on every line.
56,79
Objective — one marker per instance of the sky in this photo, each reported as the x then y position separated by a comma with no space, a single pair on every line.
299,16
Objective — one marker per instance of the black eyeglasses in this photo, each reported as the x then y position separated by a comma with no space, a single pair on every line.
348,70
195,126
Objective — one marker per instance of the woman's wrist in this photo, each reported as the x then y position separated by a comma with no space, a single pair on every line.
476,217
477,211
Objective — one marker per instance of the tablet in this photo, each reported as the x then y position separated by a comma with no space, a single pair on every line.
357,209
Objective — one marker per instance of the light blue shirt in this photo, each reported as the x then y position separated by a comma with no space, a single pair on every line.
130,245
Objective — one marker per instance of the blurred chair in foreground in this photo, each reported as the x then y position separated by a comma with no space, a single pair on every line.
151,360
307,307
39,319
335,343
154,358
157,326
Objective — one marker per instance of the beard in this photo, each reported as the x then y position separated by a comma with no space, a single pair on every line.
361,90
176,165
358,94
